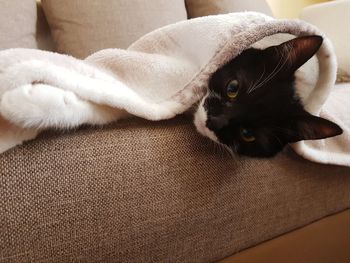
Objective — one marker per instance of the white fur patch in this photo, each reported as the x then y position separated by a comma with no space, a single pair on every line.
200,118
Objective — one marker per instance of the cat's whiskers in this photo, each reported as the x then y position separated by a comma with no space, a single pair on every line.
223,149
277,69
226,150
216,147
270,75
213,94
278,139
232,153
252,87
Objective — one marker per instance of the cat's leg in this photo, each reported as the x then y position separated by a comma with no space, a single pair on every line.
43,106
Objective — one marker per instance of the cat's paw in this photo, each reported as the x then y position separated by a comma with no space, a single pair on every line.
25,107
44,106
40,106
166,110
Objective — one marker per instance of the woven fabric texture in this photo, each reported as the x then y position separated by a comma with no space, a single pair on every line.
139,191
82,27
17,23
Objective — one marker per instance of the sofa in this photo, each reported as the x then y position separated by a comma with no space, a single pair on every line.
142,191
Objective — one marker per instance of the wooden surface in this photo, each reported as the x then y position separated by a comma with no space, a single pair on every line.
324,241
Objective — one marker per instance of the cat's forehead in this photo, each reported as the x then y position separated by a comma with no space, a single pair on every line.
245,66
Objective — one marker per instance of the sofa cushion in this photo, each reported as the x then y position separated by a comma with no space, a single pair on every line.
81,27
17,23
196,8
43,34
139,191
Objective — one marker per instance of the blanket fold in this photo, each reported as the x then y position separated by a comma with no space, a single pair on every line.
158,77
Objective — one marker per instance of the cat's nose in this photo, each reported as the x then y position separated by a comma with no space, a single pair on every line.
215,123
212,106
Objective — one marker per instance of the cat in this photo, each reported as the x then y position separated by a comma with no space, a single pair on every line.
252,107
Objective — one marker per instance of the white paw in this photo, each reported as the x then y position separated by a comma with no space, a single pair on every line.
39,106
44,106
165,110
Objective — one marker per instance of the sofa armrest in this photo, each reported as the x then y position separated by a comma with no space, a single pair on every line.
139,191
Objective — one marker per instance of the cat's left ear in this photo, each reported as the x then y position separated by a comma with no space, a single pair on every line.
309,127
297,51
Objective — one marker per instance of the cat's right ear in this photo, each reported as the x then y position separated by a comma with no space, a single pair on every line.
292,54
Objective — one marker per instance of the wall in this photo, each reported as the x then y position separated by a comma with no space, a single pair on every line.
289,8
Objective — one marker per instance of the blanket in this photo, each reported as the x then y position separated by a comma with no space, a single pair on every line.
158,77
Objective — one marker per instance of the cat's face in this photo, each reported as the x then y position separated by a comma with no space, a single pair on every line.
251,106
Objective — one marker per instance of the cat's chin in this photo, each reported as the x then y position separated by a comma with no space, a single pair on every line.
200,118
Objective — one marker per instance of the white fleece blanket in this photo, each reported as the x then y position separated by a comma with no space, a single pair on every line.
159,76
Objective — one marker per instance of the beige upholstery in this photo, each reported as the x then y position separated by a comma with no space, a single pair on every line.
140,191
196,8
81,27
43,33
17,23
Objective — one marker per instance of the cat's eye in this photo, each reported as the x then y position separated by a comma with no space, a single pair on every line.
232,89
247,135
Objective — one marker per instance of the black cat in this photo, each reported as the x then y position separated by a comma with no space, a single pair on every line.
252,107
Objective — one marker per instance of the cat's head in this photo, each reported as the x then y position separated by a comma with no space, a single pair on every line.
252,107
